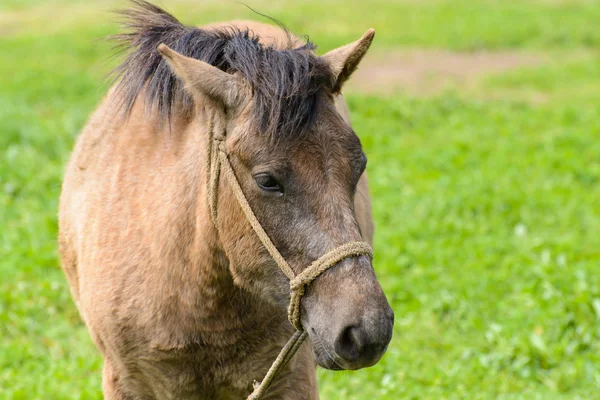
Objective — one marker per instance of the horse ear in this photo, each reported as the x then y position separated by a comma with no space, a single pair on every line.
202,77
344,60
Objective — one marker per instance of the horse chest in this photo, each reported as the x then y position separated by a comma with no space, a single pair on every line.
217,365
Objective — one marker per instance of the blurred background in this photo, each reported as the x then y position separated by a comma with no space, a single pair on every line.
481,121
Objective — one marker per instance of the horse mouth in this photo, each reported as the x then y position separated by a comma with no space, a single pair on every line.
322,356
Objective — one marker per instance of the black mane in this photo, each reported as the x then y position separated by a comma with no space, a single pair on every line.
285,82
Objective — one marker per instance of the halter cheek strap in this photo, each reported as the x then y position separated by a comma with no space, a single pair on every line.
217,163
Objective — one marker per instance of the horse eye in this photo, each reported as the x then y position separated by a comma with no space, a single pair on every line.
268,183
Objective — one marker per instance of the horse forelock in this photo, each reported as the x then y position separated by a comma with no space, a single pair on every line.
286,80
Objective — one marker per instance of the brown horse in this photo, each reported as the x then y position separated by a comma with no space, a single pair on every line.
182,308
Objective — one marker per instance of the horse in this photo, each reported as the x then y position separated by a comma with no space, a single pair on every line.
178,291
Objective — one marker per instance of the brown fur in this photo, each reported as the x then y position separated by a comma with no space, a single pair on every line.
179,310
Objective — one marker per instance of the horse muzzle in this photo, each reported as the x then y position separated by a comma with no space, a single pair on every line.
348,320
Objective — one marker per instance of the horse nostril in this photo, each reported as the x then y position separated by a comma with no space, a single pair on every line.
349,344
357,346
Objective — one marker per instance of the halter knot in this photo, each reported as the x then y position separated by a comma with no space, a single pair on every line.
314,270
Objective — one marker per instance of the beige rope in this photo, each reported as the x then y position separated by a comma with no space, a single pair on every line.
218,161
285,355
319,266
260,232
213,170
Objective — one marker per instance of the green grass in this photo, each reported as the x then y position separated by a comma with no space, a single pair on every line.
486,204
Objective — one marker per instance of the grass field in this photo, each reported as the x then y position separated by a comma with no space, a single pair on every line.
486,197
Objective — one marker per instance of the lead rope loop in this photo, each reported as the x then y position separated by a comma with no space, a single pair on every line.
217,161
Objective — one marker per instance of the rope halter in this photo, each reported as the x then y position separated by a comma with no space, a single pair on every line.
217,163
